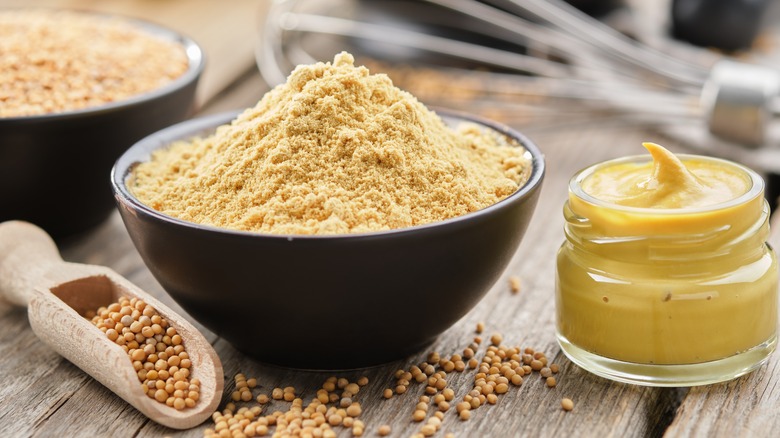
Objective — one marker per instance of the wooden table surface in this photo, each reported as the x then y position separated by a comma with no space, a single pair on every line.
43,395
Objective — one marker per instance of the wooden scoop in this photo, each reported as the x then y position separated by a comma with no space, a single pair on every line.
57,294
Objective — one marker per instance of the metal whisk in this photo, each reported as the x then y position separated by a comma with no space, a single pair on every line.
568,56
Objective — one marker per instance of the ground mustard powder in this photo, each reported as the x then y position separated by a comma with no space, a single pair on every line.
333,150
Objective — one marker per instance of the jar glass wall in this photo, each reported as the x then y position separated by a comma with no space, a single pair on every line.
667,297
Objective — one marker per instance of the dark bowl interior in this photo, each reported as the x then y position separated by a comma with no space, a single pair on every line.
54,167
326,302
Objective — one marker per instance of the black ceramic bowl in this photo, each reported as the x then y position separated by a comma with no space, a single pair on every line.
326,302
53,167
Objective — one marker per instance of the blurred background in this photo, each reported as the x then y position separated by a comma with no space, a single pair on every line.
534,64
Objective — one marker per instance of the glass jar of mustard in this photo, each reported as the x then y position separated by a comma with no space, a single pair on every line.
672,296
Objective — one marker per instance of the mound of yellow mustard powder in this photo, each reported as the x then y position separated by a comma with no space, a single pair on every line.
333,150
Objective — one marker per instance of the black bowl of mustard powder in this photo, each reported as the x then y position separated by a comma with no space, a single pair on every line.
76,90
327,301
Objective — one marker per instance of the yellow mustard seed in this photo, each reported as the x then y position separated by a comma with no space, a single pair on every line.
127,323
428,430
335,420
354,410
514,284
567,404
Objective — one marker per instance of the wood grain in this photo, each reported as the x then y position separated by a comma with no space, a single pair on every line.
602,407
45,395
57,294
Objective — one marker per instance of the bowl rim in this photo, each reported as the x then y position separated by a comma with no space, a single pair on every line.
194,52
141,151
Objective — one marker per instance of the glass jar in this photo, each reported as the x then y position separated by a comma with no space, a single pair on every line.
667,297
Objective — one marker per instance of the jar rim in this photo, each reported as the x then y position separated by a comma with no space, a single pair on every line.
575,186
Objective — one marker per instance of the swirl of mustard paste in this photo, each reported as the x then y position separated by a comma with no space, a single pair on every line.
667,182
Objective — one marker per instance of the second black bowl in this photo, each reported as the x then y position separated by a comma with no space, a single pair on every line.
327,302
53,167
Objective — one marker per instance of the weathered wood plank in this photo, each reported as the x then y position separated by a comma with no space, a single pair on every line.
43,395
603,407
525,319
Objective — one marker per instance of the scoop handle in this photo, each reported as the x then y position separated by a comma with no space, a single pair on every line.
27,254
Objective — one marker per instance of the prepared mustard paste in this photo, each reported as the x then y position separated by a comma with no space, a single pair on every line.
334,150
665,263
667,182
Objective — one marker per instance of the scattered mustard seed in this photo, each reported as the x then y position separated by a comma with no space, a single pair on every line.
514,284
567,404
